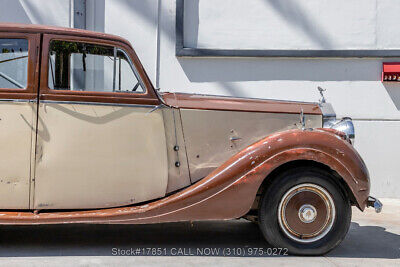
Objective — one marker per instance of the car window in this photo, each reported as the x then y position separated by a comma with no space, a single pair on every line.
80,66
13,63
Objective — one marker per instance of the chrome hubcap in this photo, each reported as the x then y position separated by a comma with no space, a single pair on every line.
307,213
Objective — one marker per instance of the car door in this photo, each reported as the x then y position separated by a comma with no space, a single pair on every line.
101,140
18,63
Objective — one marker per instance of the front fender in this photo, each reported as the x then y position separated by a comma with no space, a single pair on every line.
327,147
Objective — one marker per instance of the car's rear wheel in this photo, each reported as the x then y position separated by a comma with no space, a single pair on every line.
305,211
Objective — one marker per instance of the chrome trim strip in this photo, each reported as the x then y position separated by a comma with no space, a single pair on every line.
97,104
19,100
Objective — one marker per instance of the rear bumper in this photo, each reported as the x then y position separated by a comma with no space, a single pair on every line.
374,202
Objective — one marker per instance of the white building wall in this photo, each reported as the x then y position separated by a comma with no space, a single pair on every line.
54,12
353,84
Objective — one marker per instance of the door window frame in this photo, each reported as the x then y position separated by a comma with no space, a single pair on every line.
30,92
148,97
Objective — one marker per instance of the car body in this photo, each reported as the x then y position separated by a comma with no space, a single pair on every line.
86,138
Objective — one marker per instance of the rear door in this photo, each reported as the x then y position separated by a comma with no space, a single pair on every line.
101,142
18,95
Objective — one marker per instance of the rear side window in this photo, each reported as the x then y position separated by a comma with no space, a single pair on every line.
13,63
79,66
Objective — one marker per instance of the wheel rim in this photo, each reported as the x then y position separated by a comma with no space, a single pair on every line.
306,213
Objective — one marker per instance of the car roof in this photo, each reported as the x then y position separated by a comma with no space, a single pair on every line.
36,28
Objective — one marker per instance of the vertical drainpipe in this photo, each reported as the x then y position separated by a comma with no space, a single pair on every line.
157,78
79,22
71,13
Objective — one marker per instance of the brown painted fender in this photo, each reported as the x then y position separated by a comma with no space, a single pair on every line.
230,190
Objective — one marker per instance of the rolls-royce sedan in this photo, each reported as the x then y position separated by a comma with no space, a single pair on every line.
86,138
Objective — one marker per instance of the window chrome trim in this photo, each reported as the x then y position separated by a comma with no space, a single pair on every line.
139,79
128,58
83,103
97,104
19,100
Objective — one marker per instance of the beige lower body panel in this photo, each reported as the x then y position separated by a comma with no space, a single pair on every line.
98,156
16,136
212,136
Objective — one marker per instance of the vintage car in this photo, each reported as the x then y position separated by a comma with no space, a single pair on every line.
86,138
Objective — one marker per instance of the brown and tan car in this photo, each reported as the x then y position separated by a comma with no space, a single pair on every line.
86,138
